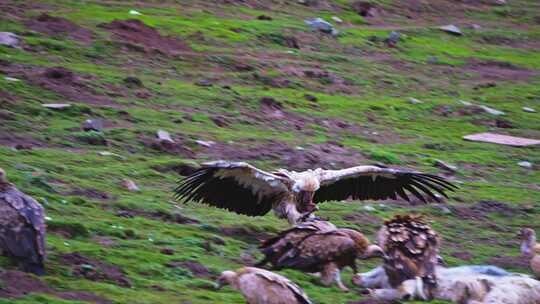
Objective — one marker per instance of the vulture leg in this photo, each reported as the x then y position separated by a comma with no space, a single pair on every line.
331,275
293,216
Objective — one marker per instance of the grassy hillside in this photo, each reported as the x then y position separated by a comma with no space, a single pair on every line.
271,92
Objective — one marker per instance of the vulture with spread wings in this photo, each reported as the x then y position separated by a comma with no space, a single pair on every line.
244,189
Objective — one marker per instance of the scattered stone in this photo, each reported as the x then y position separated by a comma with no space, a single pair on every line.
365,9
451,29
9,39
525,164
499,2
130,185
264,17
433,60
204,83
466,103
319,24
529,110
502,139
271,103
204,143
167,251
369,208
503,124
135,13
442,165
337,19
7,78
442,208
415,101
243,67
475,26
491,110
133,82
220,121
164,136
93,125
107,153
56,106
311,98
393,39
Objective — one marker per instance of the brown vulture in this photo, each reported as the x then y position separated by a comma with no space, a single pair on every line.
259,286
275,247
328,253
411,250
244,189
531,249
22,227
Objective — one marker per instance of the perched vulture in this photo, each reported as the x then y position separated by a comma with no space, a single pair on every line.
328,253
259,286
411,250
531,249
275,247
244,189
22,227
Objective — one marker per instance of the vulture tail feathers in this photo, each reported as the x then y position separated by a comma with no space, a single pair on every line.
35,268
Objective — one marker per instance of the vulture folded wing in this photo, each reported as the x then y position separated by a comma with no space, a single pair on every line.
316,250
411,248
379,183
235,186
273,278
31,237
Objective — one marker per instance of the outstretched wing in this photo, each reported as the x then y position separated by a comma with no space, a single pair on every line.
411,248
378,183
235,186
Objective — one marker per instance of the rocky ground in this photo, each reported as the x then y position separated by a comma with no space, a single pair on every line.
249,80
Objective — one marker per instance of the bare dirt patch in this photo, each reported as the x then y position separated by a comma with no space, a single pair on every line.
20,143
509,262
176,217
141,37
196,268
491,70
73,86
58,26
245,234
17,284
94,270
90,193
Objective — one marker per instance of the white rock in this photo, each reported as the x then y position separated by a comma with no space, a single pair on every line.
369,208
337,19
164,136
466,103
491,110
451,29
130,185
320,24
500,2
440,164
7,78
56,106
9,39
204,143
525,164
413,100
529,110
135,13
107,153
299,148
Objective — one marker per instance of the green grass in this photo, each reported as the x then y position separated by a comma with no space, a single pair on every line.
368,85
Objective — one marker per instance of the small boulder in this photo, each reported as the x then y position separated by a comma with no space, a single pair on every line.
447,167
56,106
413,100
525,164
451,29
311,98
393,39
271,103
205,143
491,110
133,82
9,39
365,9
167,251
204,83
319,24
130,185
164,137
529,110
336,19
264,18
93,125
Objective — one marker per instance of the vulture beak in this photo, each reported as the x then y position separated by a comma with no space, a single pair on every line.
373,251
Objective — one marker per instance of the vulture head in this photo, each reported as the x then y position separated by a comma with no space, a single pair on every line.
227,277
304,190
528,241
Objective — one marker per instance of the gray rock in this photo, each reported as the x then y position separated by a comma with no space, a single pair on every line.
451,29
445,166
529,110
9,39
204,143
499,2
164,136
525,164
433,60
413,100
56,106
491,110
466,103
393,38
130,185
93,125
337,19
475,26
319,24
204,83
